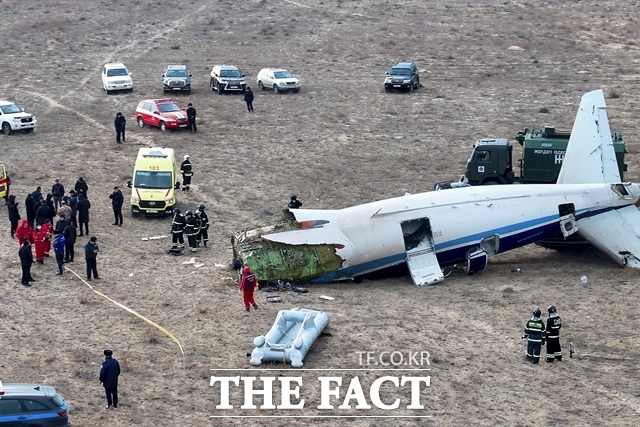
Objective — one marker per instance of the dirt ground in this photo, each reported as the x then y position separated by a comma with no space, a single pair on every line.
341,141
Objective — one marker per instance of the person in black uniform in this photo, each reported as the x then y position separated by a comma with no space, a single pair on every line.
81,187
30,204
203,233
554,323
248,98
57,191
91,250
191,230
177,230
191,116
294,203
119,122
187,173
26,260
83,212
70,233
109,373
534,331
43,212
117,199
14,214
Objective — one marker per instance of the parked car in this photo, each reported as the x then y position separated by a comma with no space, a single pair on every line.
13,118
227,78
177,78
32,405
402,76
162,113
278,79
115,76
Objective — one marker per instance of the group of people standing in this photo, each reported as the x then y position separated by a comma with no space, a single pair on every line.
193,225
39,231
537,335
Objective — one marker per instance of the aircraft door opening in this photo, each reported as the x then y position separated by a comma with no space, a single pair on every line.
568,225
421,254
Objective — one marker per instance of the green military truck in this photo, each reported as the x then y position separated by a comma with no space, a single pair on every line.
490,162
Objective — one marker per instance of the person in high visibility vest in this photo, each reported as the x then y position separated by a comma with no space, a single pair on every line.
534,331
554,323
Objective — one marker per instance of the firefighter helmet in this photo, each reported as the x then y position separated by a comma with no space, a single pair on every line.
537,312
187,213
201,207
176,210
552,309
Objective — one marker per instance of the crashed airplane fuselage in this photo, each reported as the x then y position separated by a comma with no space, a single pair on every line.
439,228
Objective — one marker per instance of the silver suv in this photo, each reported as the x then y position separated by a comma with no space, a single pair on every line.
14,118
176,78
227,78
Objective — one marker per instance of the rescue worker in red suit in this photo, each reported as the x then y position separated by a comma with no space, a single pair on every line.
39,238
24,231
247,286
46,227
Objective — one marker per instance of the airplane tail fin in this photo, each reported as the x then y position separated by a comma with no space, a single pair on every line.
590,156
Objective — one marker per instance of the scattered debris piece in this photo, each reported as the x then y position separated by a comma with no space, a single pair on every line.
572,350
518,48
516,270
583,279
191,261
199,265
300,290
130,274
219,265
146,239
274,298
327,298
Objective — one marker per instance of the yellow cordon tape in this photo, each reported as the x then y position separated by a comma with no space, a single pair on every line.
124,307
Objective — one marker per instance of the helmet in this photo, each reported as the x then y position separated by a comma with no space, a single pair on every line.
552,309
201,207
188,213
176,210
294,197
537,312
186,156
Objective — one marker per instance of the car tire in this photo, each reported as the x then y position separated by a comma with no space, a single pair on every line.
140,122
386,89
6,128
163,127
133,214
411,88
211,85
275,89
296,90
220,90
28,130
260,86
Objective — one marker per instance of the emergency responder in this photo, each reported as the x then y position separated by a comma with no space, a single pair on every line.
554,323
191,117
534,331
294,203
191,230
120,122
187,173
177,230
203,232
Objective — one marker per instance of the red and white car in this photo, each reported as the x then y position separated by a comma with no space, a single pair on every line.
162,113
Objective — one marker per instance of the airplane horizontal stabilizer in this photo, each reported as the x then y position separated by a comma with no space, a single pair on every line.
590,156
616,233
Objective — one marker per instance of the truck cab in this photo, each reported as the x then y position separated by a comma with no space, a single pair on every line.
490,162
155,181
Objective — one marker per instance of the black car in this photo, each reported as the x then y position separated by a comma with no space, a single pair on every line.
402,76
32,405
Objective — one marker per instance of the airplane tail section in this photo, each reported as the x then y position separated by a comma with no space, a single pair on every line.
590,156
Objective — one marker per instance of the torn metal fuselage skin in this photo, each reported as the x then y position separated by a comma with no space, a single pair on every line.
295,263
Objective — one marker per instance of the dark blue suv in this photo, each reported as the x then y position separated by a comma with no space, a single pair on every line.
32,405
